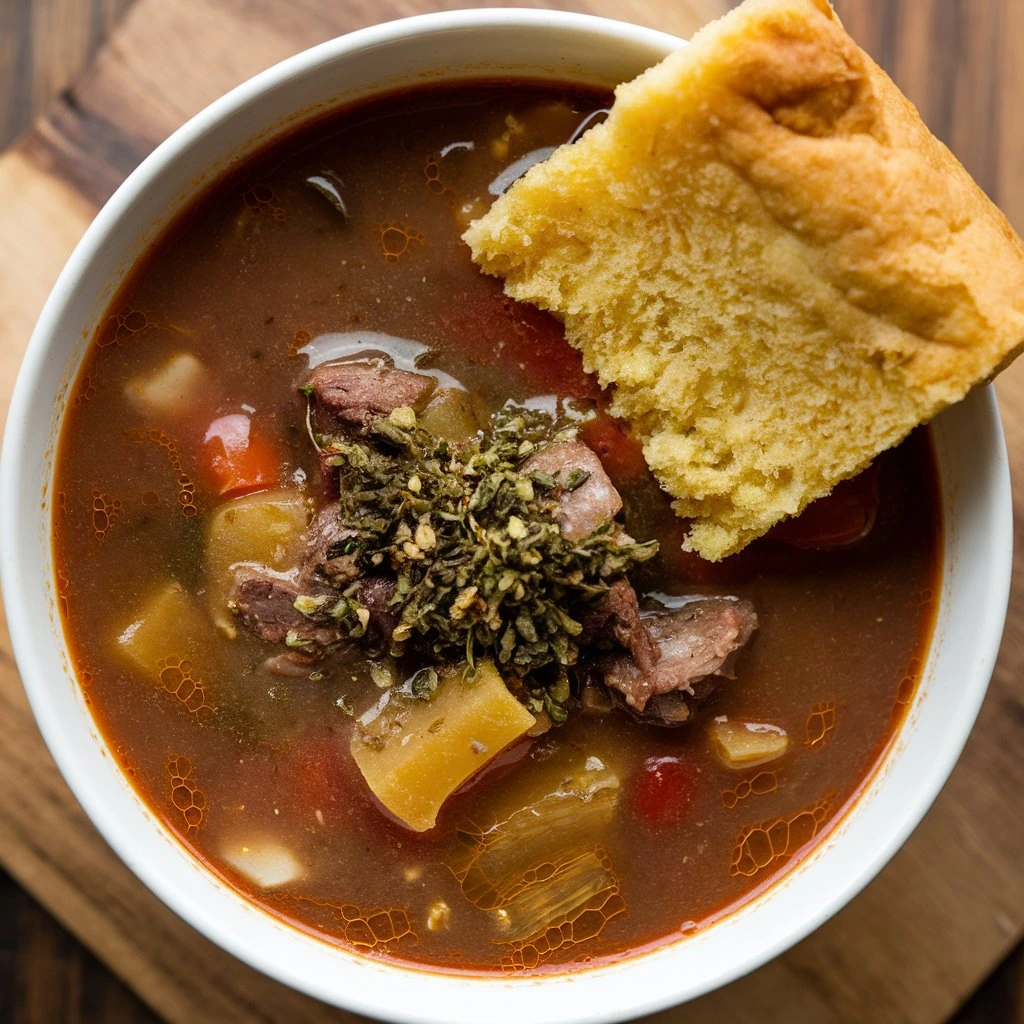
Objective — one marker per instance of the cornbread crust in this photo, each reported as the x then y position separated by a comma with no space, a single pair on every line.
777,266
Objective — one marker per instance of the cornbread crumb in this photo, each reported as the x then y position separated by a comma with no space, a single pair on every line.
777,266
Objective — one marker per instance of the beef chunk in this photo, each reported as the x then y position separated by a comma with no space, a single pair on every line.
265,605
697,644
374,594
676,707
617,616
291,664
348,396
595,700
325,532
669,708
584,508
327,483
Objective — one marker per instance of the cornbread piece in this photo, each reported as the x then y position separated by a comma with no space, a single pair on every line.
775,263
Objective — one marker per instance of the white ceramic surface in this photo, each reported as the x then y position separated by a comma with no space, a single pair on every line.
974,591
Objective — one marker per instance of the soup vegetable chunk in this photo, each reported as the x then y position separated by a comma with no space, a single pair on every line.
382,612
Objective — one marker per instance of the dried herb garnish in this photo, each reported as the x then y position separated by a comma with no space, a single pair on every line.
481,565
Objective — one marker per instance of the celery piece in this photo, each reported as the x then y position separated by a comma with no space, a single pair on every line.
745,744
566,806
414,752
566,886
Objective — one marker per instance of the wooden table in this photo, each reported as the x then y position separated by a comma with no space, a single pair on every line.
911,948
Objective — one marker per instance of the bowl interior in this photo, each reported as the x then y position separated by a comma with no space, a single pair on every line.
471,44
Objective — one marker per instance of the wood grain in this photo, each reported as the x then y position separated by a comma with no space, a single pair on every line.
1001,999
44,44
51,978
950,905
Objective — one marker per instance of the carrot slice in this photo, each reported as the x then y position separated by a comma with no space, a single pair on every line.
236,459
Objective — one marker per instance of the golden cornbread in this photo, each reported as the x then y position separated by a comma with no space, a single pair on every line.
777,266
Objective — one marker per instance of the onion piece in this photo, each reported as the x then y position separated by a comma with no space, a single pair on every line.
264,862
563,807
174,388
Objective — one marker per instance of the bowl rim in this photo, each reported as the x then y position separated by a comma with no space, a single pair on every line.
15,520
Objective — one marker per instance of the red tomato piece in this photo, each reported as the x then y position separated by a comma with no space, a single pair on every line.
522,342
663,791
842,517
319,771
621,454
548,362
236,459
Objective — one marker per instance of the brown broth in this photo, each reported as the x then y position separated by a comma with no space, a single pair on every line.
258,267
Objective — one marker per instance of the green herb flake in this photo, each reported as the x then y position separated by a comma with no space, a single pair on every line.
423,684
473,543
404,416
309,606
382,677
576,478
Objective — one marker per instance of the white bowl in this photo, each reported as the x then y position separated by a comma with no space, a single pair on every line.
975,581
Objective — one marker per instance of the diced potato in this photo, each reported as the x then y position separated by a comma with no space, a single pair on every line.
263,529
415,753
168,625
566,804
264,862
450,415
745,744
173,388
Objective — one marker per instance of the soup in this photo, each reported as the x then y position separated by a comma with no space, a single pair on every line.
385,617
